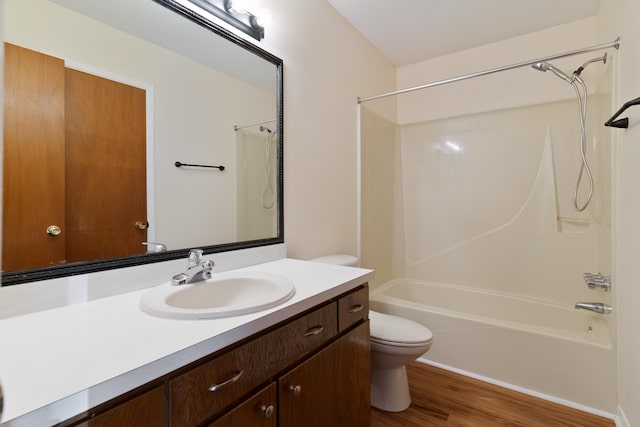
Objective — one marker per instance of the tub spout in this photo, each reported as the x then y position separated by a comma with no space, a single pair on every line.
597,307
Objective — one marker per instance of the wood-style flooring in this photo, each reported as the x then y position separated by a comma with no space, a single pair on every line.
443,398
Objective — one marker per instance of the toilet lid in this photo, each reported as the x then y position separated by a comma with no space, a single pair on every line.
394,330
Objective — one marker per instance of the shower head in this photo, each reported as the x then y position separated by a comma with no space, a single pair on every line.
545,66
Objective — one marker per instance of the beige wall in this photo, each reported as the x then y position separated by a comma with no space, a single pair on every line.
620,18
328,64
382,241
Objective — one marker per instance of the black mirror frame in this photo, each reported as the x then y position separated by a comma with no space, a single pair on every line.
72,269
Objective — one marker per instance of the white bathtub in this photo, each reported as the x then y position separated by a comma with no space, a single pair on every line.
556,352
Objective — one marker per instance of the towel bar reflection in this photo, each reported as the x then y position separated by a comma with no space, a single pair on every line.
180,164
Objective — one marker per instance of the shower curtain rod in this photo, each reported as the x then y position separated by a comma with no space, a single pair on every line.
615,43
235,127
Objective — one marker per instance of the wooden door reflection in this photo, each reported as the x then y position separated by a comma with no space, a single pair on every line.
74,158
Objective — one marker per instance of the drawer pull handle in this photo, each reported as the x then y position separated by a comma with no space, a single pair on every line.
231,380
267,410
295,389
314,331
355,308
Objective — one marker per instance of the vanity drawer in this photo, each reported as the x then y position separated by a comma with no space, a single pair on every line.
144,410
353,308
239,371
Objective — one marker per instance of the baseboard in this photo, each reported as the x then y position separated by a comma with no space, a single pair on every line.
533,393
621,419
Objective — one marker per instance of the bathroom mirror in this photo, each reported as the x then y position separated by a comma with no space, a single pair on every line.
206,127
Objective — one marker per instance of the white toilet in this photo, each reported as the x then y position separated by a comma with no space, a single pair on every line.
395,341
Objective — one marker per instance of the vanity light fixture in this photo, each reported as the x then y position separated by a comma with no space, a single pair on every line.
234,14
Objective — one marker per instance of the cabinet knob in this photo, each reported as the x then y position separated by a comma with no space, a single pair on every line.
267,410
295,389
53,230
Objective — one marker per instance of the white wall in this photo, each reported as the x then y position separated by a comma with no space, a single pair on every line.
620,18
518,87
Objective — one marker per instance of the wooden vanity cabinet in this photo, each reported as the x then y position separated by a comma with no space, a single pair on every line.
320,363
311,370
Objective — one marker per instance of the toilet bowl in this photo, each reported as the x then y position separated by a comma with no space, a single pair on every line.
395,341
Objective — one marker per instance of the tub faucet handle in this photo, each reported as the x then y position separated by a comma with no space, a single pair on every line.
596,307
597,281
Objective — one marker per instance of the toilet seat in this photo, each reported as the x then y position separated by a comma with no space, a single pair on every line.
397,332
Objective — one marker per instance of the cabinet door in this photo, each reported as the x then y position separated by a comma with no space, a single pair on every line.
257,411
332,387
145,410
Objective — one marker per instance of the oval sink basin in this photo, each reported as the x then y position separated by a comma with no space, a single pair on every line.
218,297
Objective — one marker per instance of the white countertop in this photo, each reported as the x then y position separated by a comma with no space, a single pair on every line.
57,363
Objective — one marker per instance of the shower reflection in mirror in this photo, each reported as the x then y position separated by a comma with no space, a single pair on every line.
256,163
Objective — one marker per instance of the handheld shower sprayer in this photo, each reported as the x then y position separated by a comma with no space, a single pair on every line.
581,92
545,66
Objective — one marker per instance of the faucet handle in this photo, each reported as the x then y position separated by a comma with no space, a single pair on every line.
153,247
195,257
597,281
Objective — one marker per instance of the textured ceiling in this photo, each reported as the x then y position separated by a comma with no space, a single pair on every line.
410,31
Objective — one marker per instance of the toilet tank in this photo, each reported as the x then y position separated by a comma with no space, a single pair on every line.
339,259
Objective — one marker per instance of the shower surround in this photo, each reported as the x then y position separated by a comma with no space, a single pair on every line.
482,205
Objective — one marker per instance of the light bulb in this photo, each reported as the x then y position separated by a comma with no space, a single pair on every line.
240,6
264,17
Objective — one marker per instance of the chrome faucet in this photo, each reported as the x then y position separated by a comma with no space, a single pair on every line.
197,270
597,307
597,281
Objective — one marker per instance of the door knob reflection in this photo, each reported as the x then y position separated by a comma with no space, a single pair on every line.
53,230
